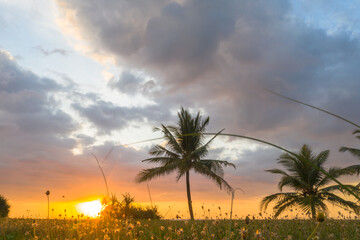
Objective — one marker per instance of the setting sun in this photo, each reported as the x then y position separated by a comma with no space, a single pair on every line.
90,209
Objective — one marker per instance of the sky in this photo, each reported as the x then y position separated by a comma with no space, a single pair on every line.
83,77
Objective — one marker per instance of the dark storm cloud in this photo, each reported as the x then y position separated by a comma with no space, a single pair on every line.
106,116
218,56
221,53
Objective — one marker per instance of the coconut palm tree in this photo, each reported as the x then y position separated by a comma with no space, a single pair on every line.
309,184
184,151
353,169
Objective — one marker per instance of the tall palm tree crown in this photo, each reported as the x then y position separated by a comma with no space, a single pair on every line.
183,151
309,184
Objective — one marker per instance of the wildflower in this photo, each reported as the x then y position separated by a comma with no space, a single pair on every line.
130,226
203,232
247,220
162,228
320,217
243,233
258,234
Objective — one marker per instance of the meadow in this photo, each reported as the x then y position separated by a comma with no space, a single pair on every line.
11,228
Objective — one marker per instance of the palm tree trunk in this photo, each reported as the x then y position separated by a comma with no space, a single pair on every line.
313,211
189,195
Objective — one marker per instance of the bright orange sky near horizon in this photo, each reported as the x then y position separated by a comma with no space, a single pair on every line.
168,210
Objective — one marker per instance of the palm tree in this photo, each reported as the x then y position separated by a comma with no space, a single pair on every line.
354,169
309,184
184,151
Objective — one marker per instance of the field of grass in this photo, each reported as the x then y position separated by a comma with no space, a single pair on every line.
172,229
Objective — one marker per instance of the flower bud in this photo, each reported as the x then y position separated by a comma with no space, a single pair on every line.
320,217
247,220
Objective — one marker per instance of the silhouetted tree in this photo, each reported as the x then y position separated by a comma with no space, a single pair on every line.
184,152
309,184
4,207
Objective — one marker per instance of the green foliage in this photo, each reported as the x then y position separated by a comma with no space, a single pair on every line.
309,184
168,229
4,207
127,209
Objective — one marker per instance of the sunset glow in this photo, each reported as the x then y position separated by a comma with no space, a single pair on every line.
82,86
90,209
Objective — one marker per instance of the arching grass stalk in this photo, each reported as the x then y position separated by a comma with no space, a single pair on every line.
270,144
294,154
285,150
147,185
317,108
231,208
169,210
102,172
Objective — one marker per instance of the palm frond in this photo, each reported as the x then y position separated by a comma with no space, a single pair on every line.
274,197
351,170
287,202
219,163
159,150
293,182
333,188
161,160
203,150
171,140
354,151
277,171
150,173
206,171
334,199
335,172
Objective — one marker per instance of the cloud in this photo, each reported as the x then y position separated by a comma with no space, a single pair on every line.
45,52
107,116
210,55
226,50
132,84
218,56
35,131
